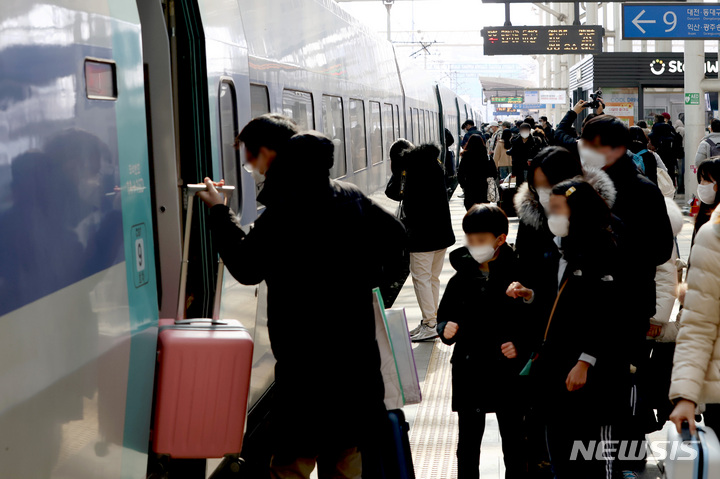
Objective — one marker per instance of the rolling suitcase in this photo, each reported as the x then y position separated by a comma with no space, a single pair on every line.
399,464
203,377
692,457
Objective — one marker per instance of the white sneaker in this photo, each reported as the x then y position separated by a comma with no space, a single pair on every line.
413,332
426,333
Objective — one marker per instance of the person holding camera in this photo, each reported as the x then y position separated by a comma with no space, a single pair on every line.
565,134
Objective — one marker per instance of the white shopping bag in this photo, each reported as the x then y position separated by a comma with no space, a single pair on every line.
393,388
404,357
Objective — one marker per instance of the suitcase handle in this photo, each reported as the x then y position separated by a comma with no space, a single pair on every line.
214,322
190,191
685,432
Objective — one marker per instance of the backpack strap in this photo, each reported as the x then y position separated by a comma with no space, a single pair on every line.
710,142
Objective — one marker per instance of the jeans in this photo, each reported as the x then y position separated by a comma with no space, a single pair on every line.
503,171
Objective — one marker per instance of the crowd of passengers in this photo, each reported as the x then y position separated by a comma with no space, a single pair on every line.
566,334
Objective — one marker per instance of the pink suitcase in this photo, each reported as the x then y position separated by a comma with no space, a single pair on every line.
203,379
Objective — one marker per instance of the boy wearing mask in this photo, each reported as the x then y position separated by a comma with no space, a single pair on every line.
476,315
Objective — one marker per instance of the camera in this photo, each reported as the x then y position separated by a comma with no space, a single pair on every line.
596,100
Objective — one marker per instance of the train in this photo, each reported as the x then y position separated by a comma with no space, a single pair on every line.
108,108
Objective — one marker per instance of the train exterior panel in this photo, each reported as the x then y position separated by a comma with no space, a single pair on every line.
78,300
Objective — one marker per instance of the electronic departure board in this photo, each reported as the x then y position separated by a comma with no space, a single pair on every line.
506,99
539,40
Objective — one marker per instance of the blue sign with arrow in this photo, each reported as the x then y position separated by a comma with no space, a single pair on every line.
689,21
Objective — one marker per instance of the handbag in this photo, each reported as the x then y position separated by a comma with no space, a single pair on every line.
493,195
394,394
397,328
534,356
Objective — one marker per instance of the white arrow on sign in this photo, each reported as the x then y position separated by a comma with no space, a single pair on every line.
636,21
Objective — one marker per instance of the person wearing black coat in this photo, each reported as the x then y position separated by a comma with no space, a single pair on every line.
485,325
577,370
664,139
537,252
336,250
470,129
426,215
524,148
548,129
451,174
639,206
475,172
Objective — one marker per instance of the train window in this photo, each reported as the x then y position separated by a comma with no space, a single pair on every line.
388,127
100,80
358,145
433,127
376,143
298,105
228,132
409,129
416,126
397,120
426,123
334,128
259,100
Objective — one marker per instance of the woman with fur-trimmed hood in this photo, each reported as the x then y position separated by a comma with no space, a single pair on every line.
537,251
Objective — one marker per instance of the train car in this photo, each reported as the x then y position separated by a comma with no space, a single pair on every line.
78,283
109,108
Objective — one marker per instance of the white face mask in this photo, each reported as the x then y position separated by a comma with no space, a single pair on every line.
559,225
482,254
591,158
706,193
544,198
525,134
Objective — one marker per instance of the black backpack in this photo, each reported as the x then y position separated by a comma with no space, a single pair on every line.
714,148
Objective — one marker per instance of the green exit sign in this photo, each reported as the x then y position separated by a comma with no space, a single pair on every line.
506,99
692,98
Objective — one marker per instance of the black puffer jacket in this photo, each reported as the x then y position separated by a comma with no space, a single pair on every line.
523,151
537,252
425,201
487,318
646,243
321,246
473,173
573,332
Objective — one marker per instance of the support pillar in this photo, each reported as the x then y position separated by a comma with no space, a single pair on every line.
388,6
620,44
694,114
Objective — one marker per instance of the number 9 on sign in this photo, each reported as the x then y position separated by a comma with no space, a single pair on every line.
672,22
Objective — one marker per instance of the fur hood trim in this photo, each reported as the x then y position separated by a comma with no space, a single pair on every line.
531,212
